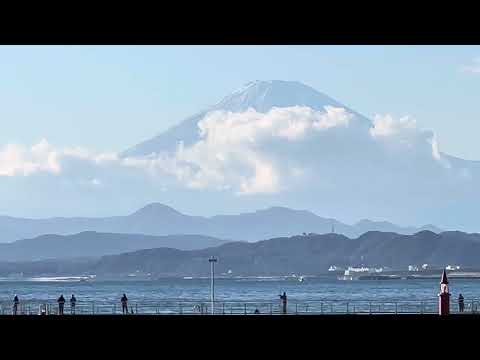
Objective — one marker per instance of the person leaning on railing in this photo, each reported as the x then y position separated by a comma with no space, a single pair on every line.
124,301
283,298
15,305
61,304
461,303
73,302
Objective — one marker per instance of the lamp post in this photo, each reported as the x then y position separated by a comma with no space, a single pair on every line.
212,262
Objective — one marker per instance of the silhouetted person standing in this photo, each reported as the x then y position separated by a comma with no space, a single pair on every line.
73,302
15,305
283,298
61,304
124,304
461,303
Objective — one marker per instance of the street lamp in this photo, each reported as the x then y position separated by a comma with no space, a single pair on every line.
212,262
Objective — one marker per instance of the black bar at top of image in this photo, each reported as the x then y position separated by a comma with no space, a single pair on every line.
348,24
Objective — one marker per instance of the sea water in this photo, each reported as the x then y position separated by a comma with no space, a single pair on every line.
251,289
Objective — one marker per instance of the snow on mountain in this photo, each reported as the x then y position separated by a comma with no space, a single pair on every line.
261,96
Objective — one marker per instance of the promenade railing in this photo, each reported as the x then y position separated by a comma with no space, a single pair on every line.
202,307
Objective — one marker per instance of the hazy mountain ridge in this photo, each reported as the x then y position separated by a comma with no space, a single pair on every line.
311,254
158,219
95,244
305,254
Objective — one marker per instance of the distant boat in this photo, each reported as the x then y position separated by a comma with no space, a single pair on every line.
187,278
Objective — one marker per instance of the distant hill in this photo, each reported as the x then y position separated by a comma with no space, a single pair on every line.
159,219
93,244
311,254
304,254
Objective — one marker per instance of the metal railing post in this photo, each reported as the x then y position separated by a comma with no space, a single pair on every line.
223,308
245,308
321,308
93,308
270,308
296,309
396,308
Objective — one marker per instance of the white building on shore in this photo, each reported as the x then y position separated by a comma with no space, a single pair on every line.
452,267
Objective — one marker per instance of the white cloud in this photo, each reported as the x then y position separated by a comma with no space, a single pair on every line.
435,150
265,179
243,153
386,125
20,160
291,123
473,68
231,151
404,132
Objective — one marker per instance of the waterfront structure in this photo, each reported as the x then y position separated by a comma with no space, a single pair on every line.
358,269
453,267
444,296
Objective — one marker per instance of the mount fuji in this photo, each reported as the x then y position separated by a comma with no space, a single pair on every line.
270,144
261,96
290,145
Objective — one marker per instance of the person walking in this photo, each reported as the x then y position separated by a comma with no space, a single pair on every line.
73,302
15,304
124,301
61,304
461,303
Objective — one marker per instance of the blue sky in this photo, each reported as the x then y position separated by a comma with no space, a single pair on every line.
109,98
